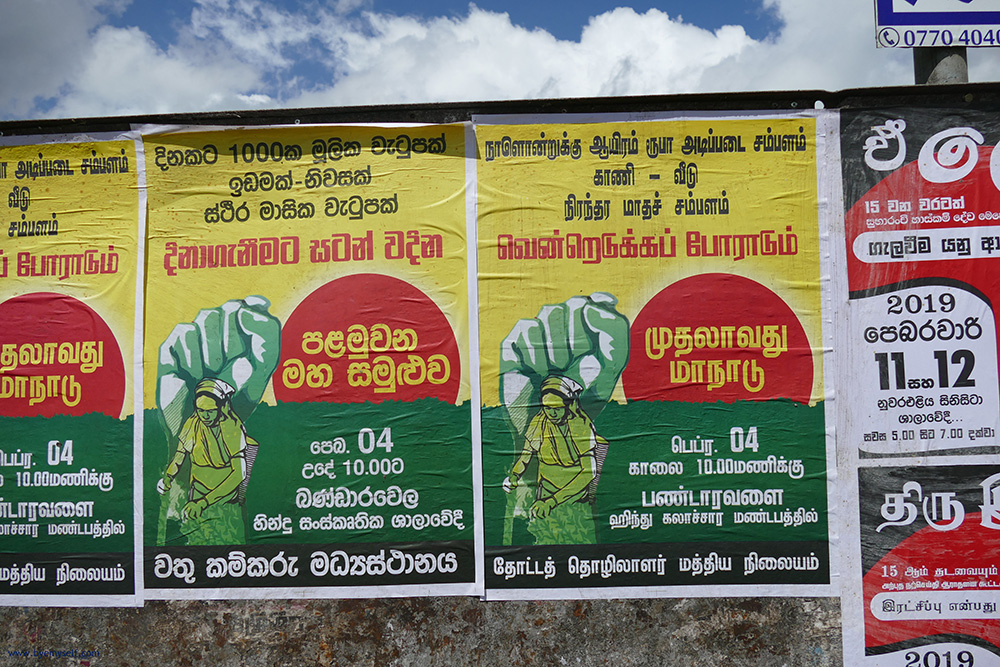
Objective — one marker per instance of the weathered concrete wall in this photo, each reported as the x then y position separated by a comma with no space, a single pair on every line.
435,631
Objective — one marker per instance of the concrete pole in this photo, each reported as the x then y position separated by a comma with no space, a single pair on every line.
940,64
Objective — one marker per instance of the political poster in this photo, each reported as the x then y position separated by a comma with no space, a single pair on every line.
307,370
920,342
655,414
69,253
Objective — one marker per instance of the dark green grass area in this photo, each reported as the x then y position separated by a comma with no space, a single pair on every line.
645,432
430,440
100,444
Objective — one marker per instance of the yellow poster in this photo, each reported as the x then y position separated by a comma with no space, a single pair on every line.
68,262
651,350
307,355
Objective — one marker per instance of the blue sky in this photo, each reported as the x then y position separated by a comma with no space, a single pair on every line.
77,58
564,20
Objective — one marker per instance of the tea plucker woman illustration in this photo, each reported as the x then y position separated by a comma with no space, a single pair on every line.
562,438
215,441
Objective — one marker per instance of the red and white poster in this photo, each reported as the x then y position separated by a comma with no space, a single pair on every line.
920,387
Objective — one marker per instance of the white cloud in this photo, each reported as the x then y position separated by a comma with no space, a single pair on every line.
823,45
484,56
125,73
253,31
38,55
262,53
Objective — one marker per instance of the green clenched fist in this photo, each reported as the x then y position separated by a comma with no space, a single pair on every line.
239,342
584,339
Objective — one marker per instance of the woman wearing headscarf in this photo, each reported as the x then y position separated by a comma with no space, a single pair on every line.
215,441
562,438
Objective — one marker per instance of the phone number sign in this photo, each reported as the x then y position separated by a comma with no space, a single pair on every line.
916,23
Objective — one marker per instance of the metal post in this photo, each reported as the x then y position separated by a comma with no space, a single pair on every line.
942,64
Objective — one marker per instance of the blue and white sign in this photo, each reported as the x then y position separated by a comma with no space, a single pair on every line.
913,23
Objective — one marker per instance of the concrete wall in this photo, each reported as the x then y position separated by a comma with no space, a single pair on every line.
434,631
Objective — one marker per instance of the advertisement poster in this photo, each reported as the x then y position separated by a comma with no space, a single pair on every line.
651,334
922,226
930,563
68,263
308,430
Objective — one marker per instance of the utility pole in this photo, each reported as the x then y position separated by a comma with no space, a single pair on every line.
940,64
